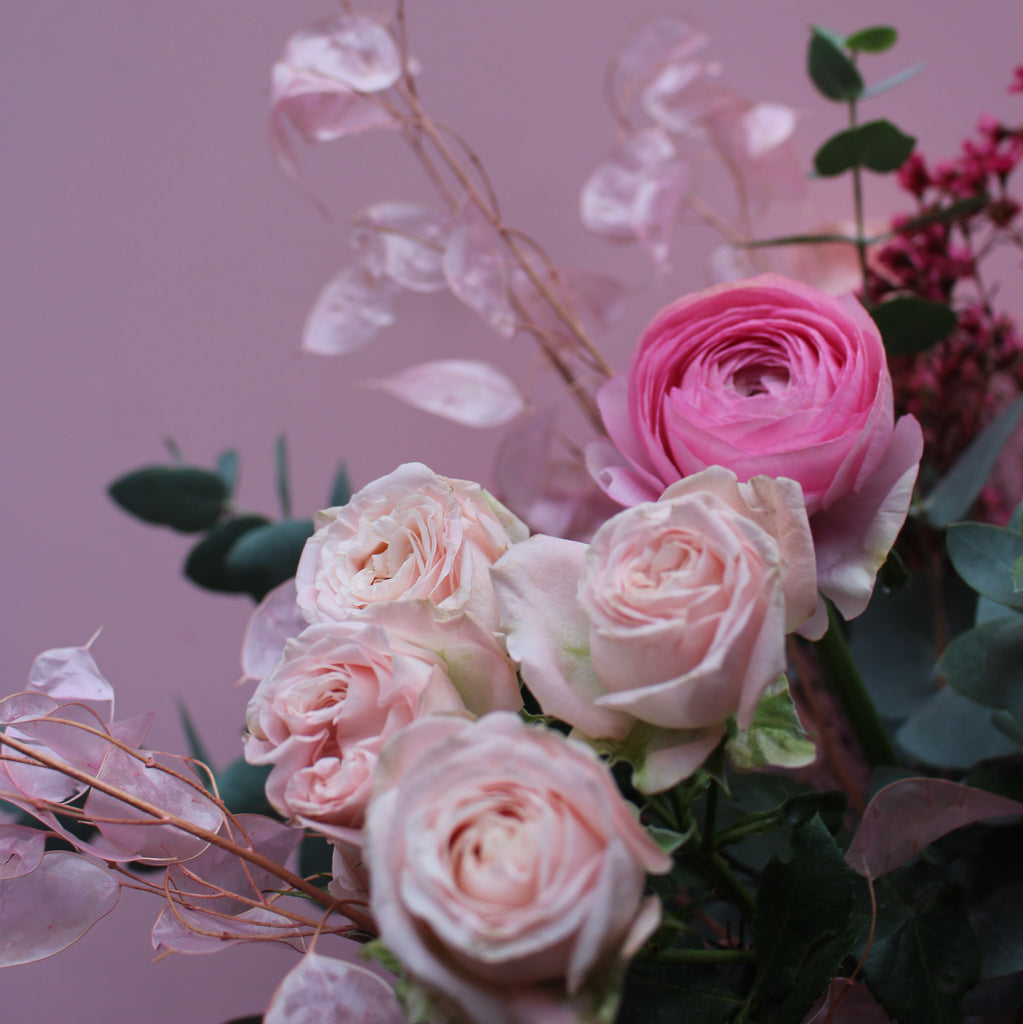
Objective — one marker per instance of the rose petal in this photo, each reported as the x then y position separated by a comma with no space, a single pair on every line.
467,391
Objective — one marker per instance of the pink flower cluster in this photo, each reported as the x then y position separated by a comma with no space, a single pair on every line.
957,387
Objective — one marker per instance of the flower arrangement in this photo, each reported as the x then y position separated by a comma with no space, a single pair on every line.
604,746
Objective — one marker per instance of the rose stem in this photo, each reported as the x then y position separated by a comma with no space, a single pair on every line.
844,681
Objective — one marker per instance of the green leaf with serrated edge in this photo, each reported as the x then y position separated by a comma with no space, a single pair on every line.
923,956
775,736
801,923
269,555
242,787
875,39
185,498
830,70
910,325
206,564
983,664
196,748
227,469
283,476
876,145
892,82
985,556
341,491
956,491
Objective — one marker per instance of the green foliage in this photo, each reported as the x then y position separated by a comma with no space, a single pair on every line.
268,555
341,491
910,325
830,70
185,498
227,468
283,477
242,787
875,39
669,993
196,748
876,146
923,956
206,565
986,557
957,490
775,736
801,926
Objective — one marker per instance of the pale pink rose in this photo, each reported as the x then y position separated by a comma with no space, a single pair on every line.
411,534
323,712
671,622
507,872
770,376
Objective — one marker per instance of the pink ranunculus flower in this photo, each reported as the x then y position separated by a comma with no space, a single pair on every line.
770,376
507,871
409,535
671,622
323,712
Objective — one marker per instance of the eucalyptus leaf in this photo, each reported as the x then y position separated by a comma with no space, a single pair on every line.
1017,576
961,209
227,468
196,747
910,325
185,498
875,39
283,476
958,489
986,557
892,81
983,664
876,145
268,555
206,564
830,69
341,491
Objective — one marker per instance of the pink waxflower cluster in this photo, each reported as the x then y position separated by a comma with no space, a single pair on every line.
957,387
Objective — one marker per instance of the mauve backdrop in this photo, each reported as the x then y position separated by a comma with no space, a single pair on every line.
156,271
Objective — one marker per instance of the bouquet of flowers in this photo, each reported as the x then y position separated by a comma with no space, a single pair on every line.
711,710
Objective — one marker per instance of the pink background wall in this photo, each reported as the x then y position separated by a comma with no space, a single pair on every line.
156,271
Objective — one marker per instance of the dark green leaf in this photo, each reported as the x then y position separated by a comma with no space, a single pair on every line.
1017,576
985,556
910,325
669,993
269,555
1009,726
962,209
801,922
196,748
830,70
956,491
924,955
875,39
206,565
254,1019
173,450
227,467
877,146
283,476
184,498
315,857
983,664
242,788
891,82
341,492
998,924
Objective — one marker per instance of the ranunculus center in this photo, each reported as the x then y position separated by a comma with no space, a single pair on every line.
760,379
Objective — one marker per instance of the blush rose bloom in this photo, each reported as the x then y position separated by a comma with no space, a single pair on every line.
507,871
671,622
409,535
323,712
770,376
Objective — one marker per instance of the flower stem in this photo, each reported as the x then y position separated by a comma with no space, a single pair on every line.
716,870
843,679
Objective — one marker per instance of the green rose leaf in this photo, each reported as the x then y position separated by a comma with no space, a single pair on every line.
185,498
268,555
206,565
877,146
830,69
910,325
987,556
875,39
